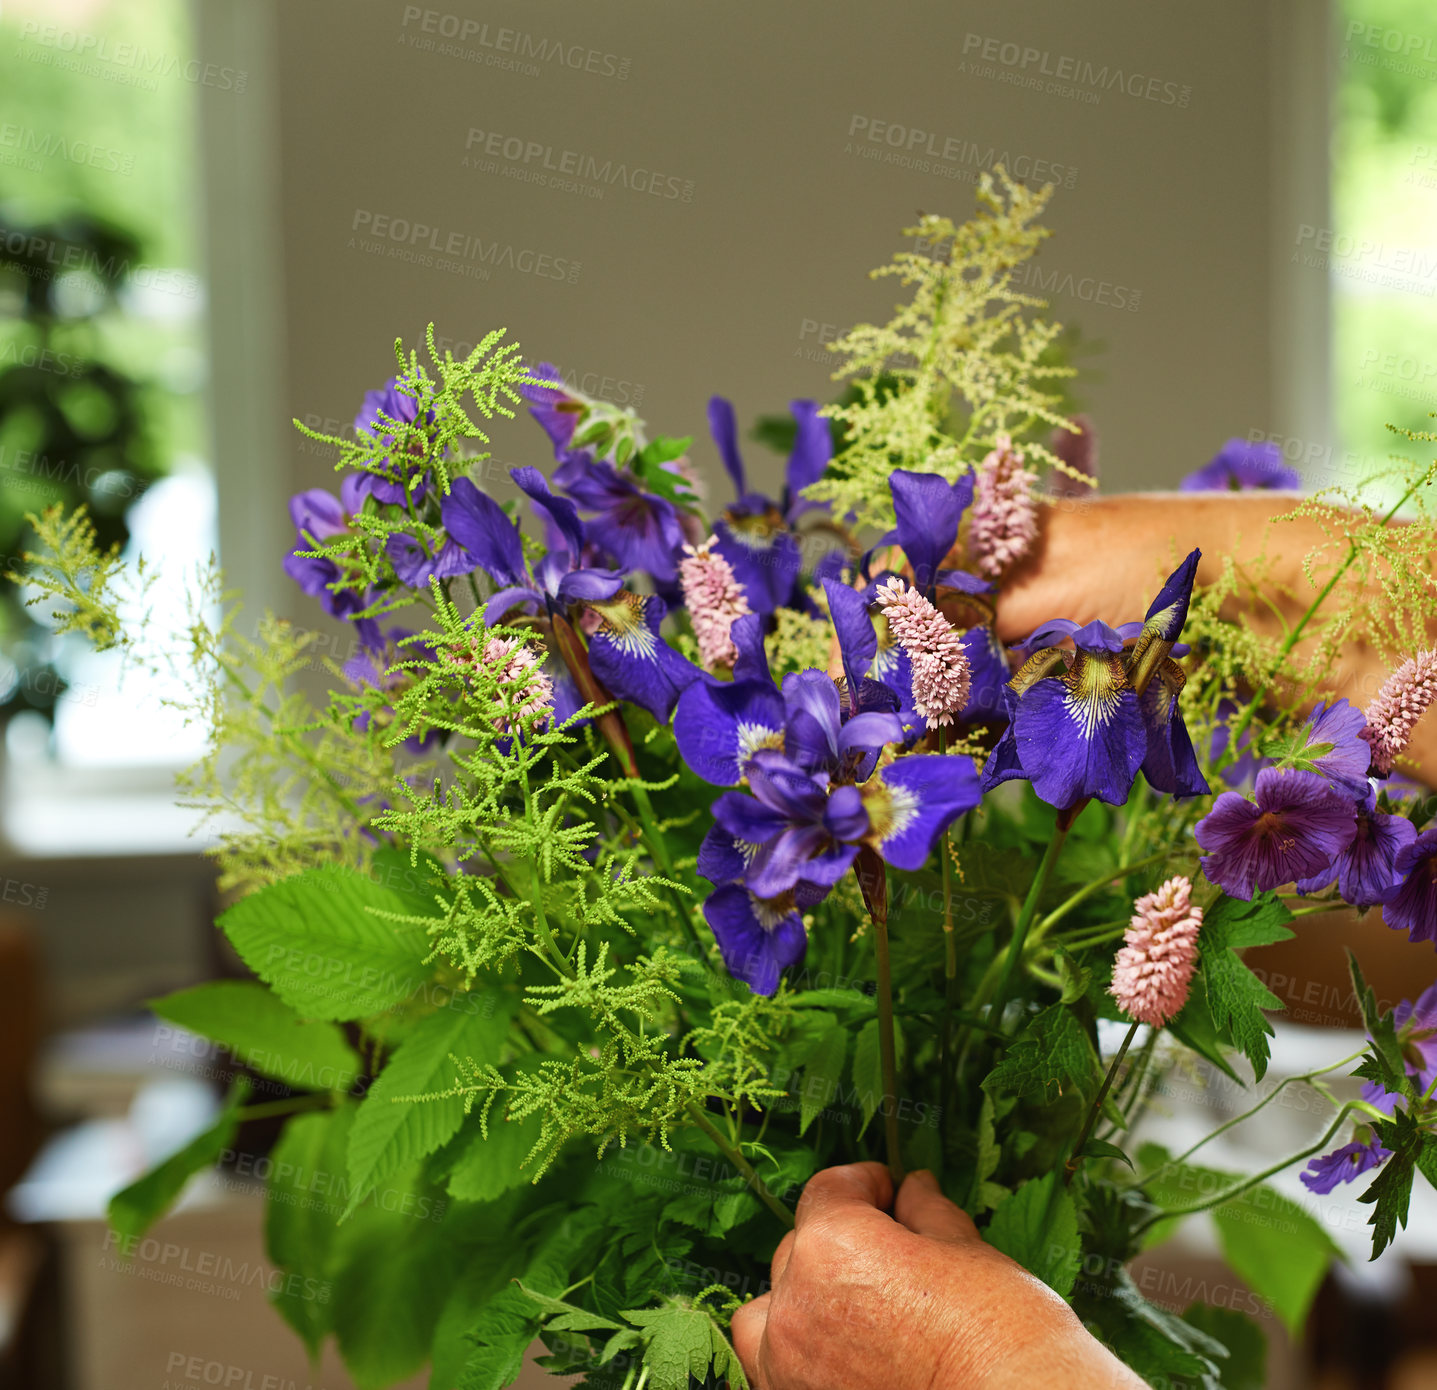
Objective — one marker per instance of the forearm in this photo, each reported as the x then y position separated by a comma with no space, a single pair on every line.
1096,556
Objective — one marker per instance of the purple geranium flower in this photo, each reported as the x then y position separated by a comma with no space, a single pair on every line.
383,409
1416,1028
556,408
1078,728
755,535
1335,746
1366,871
1413,907
1297,829
318,516
1343,1165
1243,464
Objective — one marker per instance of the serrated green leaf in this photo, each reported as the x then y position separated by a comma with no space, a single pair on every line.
391,1128
317,941
822,1074
1050,1054
1235,995
1038,1227
489,1167
680,1342
264,1033
1194,1028
1390,1192
868,1068
568,1317
1384,1063
984,1193
134,1209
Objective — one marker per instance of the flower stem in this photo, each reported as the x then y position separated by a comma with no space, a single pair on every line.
1088,889
1095,1109
1025,919
873,881
1237,1189
760,1189
950,974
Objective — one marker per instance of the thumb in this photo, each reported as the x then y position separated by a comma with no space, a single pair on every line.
746,1331
922,1207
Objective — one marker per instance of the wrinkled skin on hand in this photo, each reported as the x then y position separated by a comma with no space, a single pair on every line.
865,1300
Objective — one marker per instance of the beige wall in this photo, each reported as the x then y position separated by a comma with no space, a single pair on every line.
756,109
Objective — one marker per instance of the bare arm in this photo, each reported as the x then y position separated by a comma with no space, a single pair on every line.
1099,558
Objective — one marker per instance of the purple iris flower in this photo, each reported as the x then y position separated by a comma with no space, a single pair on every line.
1366,871
382,409
1241,465
318,516
556,409
758,938
627,654
927,510
1297,829
1343,1165
639,529
1078,727
755,535
486,534
1413,907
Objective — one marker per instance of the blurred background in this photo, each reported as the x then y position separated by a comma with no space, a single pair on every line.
217,215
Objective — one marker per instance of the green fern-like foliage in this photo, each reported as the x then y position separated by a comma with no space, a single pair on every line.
73,578
960,362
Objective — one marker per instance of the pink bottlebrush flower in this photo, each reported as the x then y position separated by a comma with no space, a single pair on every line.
528,691
941,671
1154,968
715,600
1005,511
1391,717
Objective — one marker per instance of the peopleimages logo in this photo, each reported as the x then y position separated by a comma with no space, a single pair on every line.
127,63
951,156
532,161
1062,74
497,46
461,253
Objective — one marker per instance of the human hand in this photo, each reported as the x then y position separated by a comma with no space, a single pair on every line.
862,1300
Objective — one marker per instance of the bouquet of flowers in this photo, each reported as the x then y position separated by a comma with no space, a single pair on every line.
647,855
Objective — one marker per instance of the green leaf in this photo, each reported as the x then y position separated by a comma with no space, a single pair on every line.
394,1264
1100,1148
487,1168
1246,1364
1194,1028
1038,1227
1234,994
304,1199
680,1342
264,1033
317,940
822,1074
1427,1159
510,1320
1390,1192
648,468
1384,1063
393,1128
984,1193
868,1068
134,1209
1049,1055
1271,1243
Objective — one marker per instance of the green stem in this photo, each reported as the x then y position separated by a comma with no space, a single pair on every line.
872,876
1095,1109
1088,889
1025,921
950,974
318,1101
1248,1114
760,1189
1229,1193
